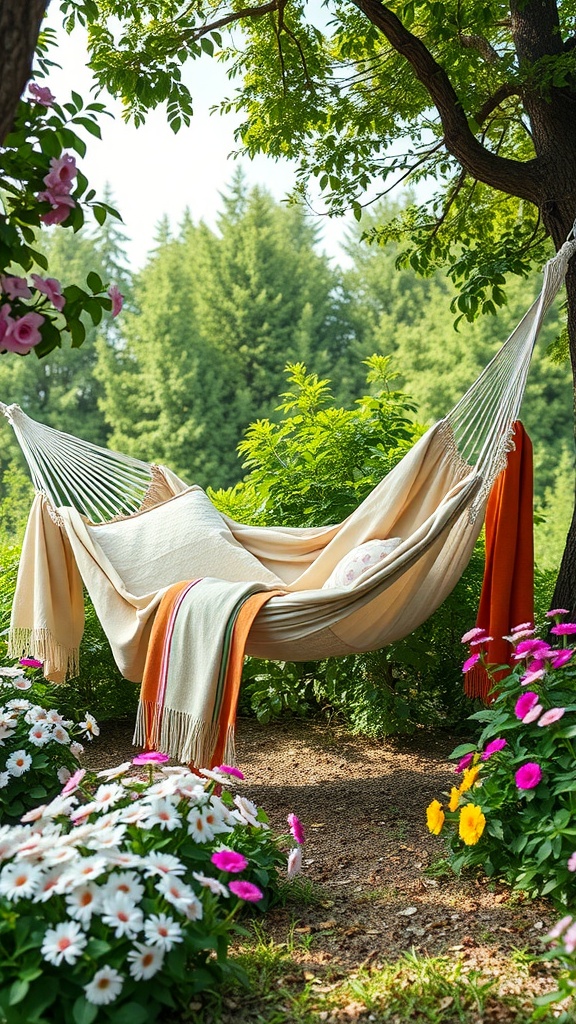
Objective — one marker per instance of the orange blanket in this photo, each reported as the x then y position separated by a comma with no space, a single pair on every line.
507,597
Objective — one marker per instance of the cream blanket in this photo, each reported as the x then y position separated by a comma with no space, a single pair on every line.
127,565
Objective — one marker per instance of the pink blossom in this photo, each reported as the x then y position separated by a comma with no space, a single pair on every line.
525,703
537,648
564,628
15,287
294,866
151,757
557,611
571,862
569,940
229,860
481,640
563,923
532,677
6,322
464,763
470,662
536,664
117,299
51,287
230,770
41,94
528,776
473,634
522,626
245,891
296,827
533,714
551,716
63,172
493,747
73,782
59,212
561,657
23,334
31,662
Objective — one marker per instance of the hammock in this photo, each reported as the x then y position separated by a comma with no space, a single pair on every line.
130,530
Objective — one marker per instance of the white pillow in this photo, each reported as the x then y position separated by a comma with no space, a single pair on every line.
181,539
359,559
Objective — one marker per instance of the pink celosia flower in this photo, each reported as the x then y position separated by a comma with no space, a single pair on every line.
532,677
551,716
528,776
31,662
41,94
230,770
473,634
296,827
245,891
51,287
564,628
63,172
464,763
23,334
533,714
151,757
15,287
73,782
493,747
525,703
470,662
561,657
557,611
571,862
117,299
229,860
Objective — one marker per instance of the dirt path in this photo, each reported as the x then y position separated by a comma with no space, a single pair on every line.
384,887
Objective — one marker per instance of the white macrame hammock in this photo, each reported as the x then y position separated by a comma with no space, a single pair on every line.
128,530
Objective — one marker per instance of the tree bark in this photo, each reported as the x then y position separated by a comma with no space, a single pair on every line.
20,22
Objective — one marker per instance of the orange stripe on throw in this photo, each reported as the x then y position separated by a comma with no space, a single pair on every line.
153,671
507,596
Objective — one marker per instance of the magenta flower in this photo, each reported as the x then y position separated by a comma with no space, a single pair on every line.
473,634
464,763
229,860
23,333
151,757
51,287
63,172
230,770
493,747
470,662
551,716
245,891
15,287
525,703
117,299
528,776
31,662
41,94
296,827
561,657
536,648
564,628
557,611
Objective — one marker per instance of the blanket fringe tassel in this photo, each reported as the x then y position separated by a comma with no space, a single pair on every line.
184,738
40,644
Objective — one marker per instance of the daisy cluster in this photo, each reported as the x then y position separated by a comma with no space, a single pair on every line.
133,880
514,797
39,748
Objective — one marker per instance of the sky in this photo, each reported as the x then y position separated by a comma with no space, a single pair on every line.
153,172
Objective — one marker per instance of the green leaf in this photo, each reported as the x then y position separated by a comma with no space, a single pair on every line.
84,1012
94,282
130,1013
18,991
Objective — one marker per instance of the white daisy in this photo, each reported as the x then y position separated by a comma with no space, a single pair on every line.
120,859
211,883
34,814
61,806
18,763
21,683
64,942
215,776
126,882
135,814
4,779
145,961
50,883
107,839
83,901
59,855
108,794
10,671
39,734
165,787
105,987
19,880
162,931
159,863
120,913
247,811
35,714
162,812
54,716
63,774
18,704
60,735
115,773
86,869
76,749
181,896
89,726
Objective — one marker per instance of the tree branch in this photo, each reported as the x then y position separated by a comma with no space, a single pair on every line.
494,101
19,30
479,43
511,176
246,12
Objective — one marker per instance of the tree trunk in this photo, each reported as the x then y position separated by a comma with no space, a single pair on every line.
20,22
565,590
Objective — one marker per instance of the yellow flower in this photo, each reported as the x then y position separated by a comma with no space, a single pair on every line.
472,823
469,777
435,817
454,798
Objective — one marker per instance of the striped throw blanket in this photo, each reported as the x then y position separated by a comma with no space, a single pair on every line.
193,669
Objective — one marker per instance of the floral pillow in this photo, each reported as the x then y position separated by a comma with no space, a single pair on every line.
359,559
